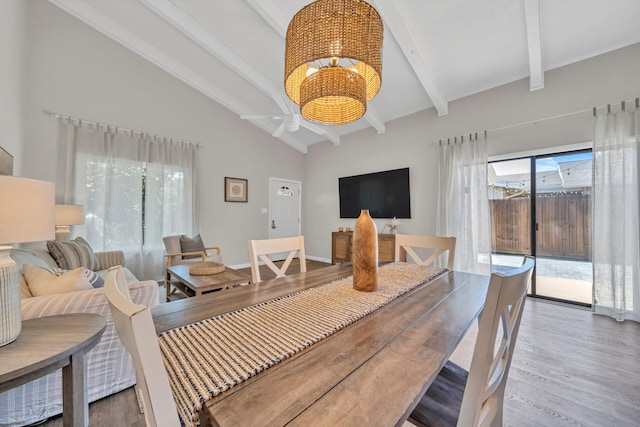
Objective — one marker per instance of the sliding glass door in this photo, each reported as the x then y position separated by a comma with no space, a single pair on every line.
541,205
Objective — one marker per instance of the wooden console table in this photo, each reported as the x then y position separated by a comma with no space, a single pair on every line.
341,242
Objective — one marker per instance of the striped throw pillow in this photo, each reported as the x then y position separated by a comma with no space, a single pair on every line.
191,244
74,254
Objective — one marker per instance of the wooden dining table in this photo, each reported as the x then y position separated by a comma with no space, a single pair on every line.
372,372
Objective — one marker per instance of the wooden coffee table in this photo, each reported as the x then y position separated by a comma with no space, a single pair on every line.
190,285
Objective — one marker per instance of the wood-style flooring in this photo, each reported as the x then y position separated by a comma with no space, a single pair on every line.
570,368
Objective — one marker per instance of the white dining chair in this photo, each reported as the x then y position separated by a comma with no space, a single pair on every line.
260,249
406,243
135,328
476,398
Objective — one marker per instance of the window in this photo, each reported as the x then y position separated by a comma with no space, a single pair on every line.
135,191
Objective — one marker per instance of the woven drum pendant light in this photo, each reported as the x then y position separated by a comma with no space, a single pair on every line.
333,60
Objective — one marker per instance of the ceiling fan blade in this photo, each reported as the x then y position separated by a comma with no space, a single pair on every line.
259,116
312,127
253,117
279,131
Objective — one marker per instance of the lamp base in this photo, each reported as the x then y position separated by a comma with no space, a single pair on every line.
10,310
63,233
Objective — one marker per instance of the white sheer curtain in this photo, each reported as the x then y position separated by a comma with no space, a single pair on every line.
616,212
463,204
136,188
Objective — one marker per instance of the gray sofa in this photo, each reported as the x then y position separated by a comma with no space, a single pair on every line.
108,367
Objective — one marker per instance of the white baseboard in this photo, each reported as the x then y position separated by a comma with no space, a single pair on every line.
311,257
319,259
237,266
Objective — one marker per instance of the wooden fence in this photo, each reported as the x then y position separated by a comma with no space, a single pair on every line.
564,226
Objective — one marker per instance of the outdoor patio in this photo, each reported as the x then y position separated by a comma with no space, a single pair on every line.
558,278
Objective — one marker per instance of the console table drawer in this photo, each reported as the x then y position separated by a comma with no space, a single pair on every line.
341,242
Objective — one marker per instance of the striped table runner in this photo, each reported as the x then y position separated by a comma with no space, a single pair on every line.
205,358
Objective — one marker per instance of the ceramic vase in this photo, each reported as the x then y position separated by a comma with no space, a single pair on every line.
365,254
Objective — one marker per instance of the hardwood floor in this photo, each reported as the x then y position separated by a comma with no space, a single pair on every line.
570,368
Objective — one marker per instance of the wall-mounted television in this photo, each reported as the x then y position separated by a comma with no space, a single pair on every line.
386,194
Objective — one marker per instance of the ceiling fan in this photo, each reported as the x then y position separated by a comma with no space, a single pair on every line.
291,122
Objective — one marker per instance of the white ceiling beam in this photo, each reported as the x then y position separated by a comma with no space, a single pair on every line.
274,16
397,23
87,14
533,20
183,23
266,9
374,120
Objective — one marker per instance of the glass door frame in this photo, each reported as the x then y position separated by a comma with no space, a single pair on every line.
533,226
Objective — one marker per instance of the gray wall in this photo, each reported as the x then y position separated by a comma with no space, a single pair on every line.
605,79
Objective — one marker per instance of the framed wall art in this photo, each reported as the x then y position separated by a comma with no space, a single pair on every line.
235,189
6,162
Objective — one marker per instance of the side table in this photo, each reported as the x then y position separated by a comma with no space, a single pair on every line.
47,344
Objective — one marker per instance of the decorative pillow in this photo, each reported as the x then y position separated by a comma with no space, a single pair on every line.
191,244
94,279
47,281
74,254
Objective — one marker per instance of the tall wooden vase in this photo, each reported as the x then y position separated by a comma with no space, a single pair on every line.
365,254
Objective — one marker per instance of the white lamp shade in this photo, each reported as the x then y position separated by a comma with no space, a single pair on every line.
26,214
69,214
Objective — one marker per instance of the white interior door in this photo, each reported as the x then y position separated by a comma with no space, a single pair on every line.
285,209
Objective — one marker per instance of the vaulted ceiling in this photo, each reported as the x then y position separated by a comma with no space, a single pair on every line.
435,51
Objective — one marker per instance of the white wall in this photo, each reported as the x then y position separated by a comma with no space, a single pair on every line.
12,46
74,70
605,79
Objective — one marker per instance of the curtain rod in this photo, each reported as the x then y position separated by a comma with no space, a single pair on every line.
622,106
117,128
472,137
544,119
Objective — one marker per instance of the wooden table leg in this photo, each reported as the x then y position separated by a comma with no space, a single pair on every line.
75,404
167,285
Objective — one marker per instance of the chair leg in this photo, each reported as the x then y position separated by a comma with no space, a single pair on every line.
139,399
497,420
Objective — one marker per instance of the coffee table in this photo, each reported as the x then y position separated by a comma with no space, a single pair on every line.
193,286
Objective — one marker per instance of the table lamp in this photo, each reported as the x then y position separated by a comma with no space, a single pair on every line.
65,216
26,215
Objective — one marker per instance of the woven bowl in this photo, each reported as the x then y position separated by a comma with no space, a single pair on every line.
206,268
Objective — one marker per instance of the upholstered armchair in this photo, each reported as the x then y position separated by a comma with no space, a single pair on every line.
181,249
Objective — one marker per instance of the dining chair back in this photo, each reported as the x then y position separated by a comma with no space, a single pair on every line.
260,249
135,328
476,397
406,243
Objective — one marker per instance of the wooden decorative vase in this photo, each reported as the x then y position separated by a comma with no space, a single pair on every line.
365,254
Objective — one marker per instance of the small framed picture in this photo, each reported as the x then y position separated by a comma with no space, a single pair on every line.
235,189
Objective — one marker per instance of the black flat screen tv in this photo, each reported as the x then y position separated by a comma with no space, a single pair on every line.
386,194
